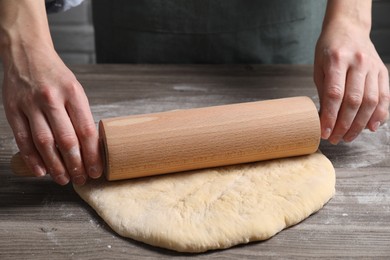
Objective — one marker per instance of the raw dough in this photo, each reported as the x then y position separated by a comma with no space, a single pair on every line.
214,208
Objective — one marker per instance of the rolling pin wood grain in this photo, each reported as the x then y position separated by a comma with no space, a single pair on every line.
182,140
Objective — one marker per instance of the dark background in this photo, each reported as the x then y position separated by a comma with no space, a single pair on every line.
73,34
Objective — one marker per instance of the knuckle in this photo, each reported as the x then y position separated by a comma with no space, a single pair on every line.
22,138
353,101
385,98
334,93
43,140
87,131
344,127
48,96
12,106
51,100
328,115
66,141
332,117
383,114
371,100
361,57
335,55
73,87
358,126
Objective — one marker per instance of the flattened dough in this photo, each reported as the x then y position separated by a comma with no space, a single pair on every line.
214,208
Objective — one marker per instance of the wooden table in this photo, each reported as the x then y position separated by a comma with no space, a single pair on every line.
41,220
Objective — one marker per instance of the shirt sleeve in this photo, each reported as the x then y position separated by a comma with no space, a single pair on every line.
54,6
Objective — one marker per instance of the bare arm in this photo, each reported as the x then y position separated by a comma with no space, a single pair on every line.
45,105
351,79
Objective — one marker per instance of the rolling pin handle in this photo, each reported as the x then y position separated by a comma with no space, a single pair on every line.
19,167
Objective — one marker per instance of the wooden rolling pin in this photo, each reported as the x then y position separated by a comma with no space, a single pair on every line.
181,140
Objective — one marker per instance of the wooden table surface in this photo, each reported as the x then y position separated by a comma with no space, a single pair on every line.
41,220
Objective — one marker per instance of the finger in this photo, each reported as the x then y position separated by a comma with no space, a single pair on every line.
381,113
332,96
44,142
369,103
67,143
81,116
30,155
354,89
318,76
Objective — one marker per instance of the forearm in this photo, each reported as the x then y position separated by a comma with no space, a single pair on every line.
23,26
352,12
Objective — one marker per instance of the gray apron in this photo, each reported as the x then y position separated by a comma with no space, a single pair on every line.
207,31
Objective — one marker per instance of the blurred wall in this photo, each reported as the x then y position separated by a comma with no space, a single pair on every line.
380,33
73,35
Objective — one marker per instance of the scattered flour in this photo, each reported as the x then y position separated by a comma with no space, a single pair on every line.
367,150
159,104
189,88
50,233
373,198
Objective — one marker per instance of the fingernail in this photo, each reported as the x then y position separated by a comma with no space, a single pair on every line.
335,140
327,133
376,126
93,172
351,138
39,171
62,179
79,180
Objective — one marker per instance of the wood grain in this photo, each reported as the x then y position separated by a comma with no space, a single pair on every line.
41,220
197,138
